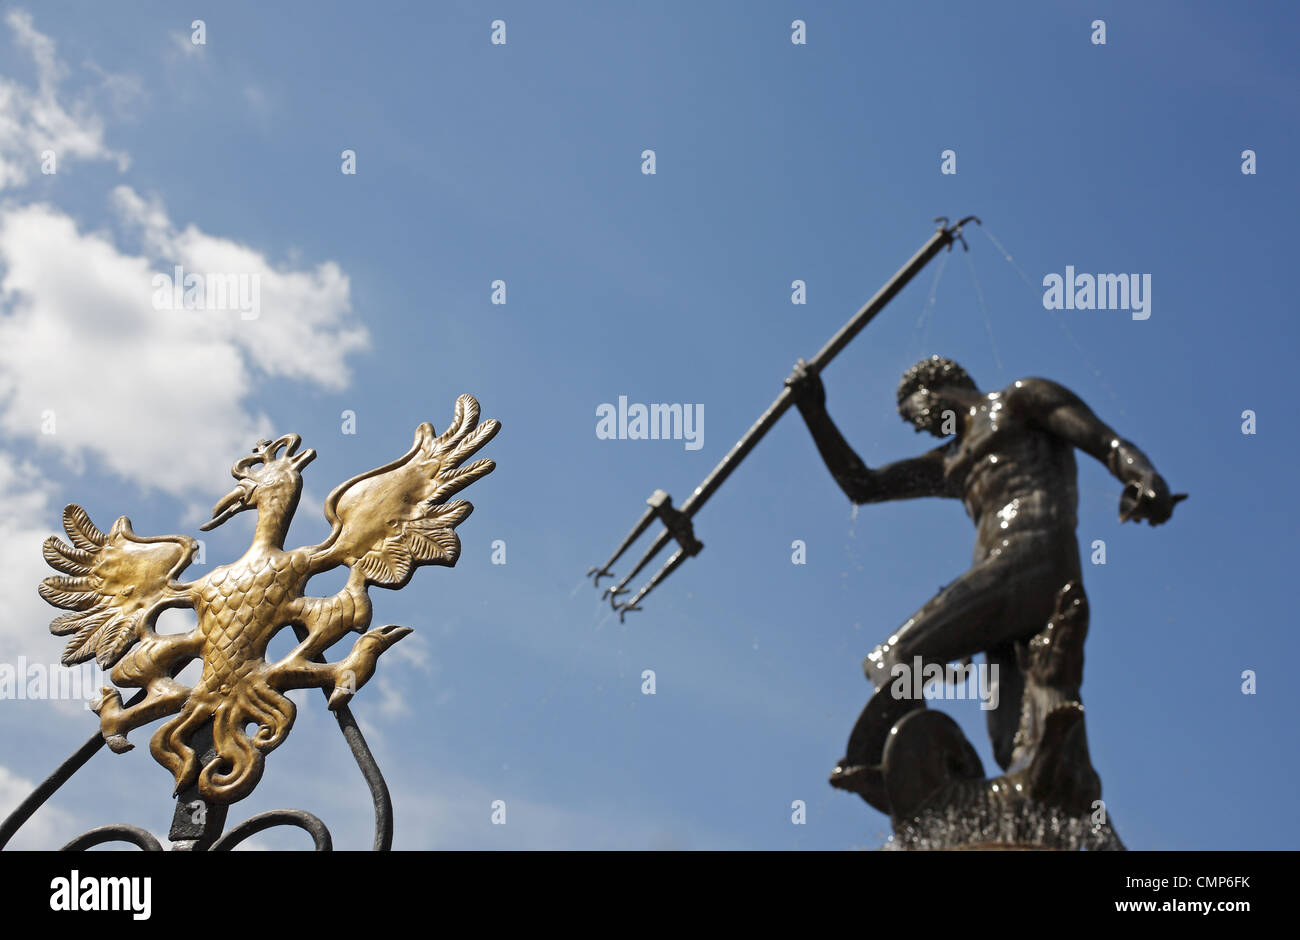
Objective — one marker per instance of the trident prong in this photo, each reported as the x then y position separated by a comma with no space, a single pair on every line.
955,230
642,524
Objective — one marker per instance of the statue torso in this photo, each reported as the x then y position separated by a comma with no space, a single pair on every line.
1015,477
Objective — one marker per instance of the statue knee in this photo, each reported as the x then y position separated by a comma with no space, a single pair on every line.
879,665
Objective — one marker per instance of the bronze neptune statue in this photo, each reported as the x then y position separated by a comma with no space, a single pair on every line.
1010,459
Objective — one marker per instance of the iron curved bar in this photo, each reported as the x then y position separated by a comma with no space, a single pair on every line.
36,799
141,838
379,795
276,817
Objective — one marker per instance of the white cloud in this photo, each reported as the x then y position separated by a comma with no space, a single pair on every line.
302,331
25,509
49,828
125,93
35,120
165,398
81,345
183,44
160,396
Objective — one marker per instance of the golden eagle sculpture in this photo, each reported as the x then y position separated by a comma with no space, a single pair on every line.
385,524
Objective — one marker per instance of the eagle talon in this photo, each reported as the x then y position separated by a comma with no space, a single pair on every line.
117,743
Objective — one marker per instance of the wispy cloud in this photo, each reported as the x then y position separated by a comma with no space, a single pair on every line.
91,371
40,119
84,353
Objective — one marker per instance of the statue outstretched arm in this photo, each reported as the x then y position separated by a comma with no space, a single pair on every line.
904,479
1058,410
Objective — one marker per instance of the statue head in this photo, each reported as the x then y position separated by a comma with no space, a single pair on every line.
930,388
266,480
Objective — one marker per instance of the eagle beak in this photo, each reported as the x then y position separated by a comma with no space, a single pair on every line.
235,501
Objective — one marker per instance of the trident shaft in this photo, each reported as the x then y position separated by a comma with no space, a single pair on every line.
677,520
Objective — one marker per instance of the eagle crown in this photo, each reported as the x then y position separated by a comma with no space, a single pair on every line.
270,484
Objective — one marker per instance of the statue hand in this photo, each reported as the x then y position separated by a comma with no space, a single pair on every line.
1148,498
809,392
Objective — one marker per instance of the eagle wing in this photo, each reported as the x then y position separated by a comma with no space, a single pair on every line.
112,585
393,519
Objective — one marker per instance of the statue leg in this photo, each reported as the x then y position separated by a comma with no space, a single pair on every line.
147,665
328,619
344,677
984,608
164,697
1008,685
1001,600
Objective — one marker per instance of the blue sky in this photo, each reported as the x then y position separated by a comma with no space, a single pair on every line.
775,162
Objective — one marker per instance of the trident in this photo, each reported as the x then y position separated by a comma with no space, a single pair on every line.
677,521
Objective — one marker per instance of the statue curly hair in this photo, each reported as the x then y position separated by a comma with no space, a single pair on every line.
932,373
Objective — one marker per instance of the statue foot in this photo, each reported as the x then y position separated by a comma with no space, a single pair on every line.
863,779
1061,773
109,709
117,743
